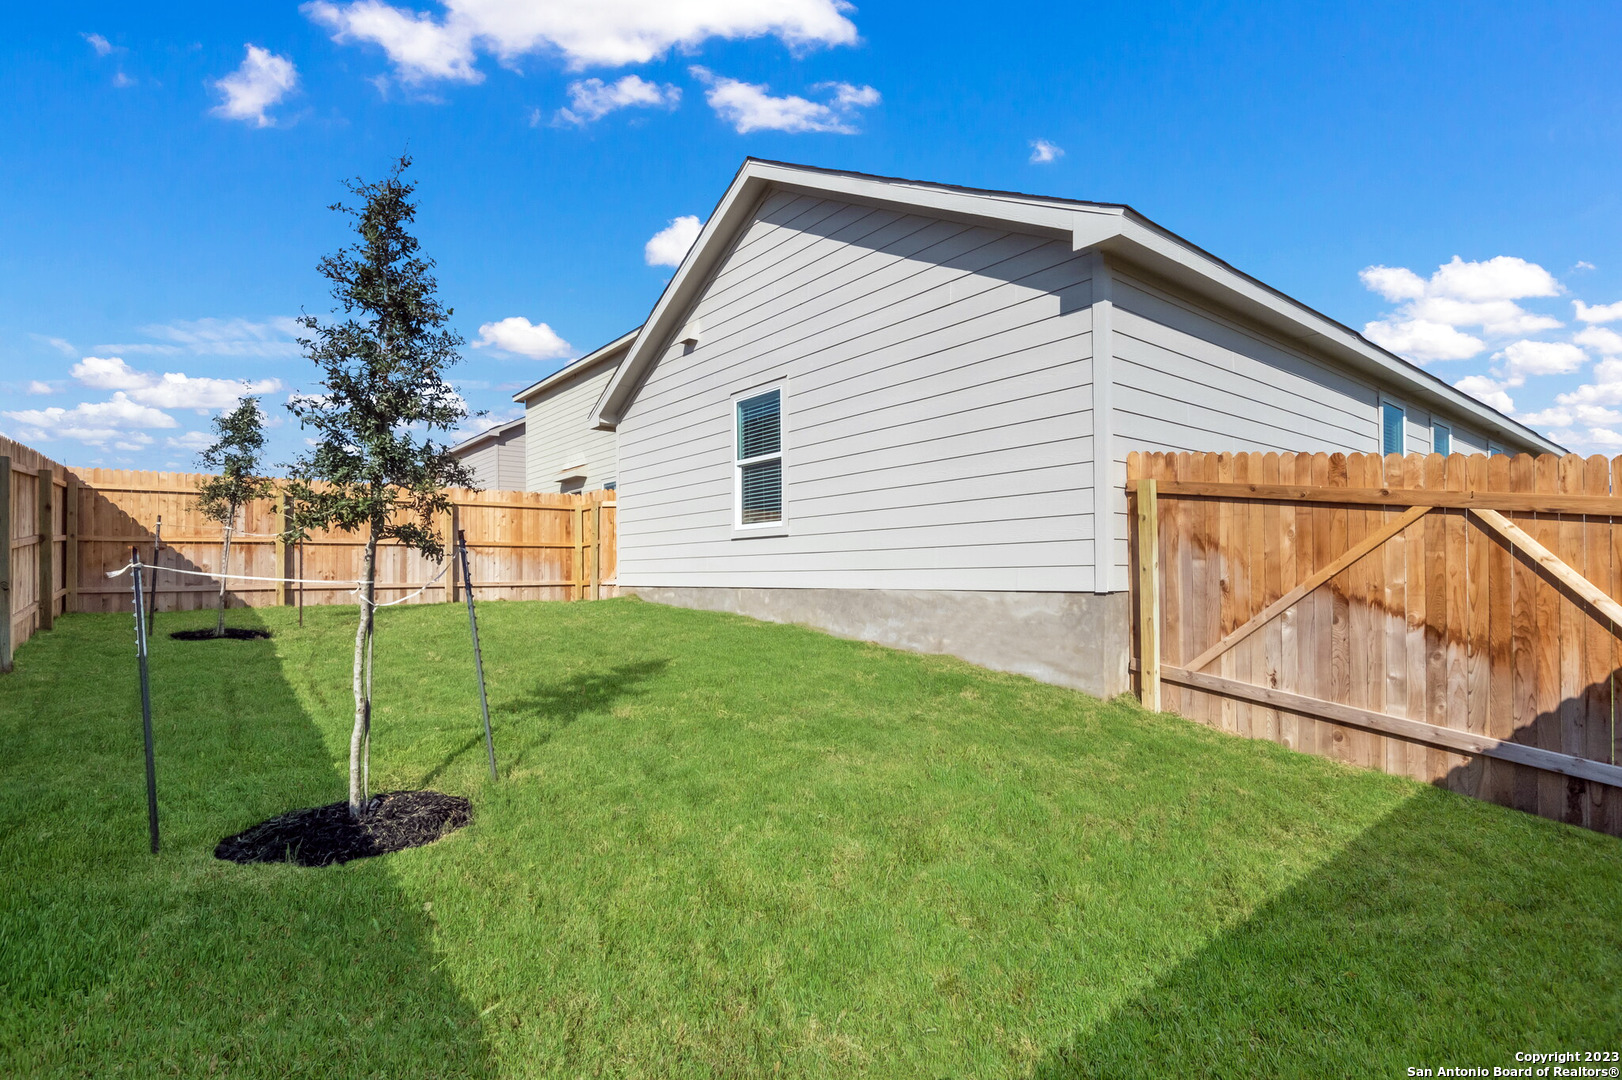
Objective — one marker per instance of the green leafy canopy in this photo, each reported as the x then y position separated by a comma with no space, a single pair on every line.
383,392
234,455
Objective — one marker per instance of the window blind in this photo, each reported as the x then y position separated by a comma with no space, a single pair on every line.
760,426
1391,429
762,496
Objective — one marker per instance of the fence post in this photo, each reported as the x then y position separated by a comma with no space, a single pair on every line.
46,549
70,551
284,553
453,533
1149,593
577,576
596,549
5,563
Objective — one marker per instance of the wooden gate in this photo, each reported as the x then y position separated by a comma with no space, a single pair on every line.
1451,619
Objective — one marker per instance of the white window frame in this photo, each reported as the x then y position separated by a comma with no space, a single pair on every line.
1496,449
1439,425
780,527
1379,424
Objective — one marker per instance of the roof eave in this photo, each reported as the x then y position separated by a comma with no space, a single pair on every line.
593,359
1114,229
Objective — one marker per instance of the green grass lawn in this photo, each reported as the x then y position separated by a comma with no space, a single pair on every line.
725,848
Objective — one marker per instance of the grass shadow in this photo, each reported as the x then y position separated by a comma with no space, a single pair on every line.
115,962
552,706
1419,918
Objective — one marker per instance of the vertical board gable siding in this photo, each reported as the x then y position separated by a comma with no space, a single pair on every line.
937,416
558,433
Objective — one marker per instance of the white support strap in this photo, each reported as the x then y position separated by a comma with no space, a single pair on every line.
323,583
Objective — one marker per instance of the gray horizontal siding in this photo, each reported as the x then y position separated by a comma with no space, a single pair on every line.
499,463
558,434
1187,379
938,428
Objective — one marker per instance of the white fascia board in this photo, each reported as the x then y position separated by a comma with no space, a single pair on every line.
1115,230
593,359
738,205
486,435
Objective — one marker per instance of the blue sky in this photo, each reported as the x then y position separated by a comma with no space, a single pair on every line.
164,175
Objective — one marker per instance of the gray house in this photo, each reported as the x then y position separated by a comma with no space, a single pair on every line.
495,456
901,411
565,450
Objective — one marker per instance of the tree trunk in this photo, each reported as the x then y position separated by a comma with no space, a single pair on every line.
225,566
363,705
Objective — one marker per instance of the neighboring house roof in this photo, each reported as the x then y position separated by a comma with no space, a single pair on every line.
609,353
469,445
1111,228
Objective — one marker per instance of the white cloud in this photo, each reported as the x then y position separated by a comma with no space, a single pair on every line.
97,423
592,99
102,46
1603,388
669,246
1502,278
1392,282
37,387
1422,340
122,81
419,47
1524,358
586,33
1564,416
1430,323
1043,152
1488,391
1603,341
516,334
1598,313
262,81
748,107
272,339
171,390
191,440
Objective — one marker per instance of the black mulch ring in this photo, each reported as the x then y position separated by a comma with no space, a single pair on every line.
323,835
232,633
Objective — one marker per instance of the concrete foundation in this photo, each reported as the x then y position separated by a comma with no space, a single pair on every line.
1080,640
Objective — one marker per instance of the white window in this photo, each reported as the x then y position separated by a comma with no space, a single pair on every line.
1441,438
759,459
1495,450
1393,421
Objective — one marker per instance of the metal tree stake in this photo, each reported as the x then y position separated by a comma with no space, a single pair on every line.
478,661
146,698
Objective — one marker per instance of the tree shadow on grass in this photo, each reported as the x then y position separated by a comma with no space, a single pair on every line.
1449,933
553,706
115,962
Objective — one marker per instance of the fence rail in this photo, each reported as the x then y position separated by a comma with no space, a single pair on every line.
521,546
1453,619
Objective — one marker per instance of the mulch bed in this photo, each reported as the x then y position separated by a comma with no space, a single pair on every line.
232,633
323,835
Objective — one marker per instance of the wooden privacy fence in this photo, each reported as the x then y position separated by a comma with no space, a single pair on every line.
1453,619
522,545
35,521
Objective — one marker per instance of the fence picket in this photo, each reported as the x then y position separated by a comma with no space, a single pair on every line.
1448,625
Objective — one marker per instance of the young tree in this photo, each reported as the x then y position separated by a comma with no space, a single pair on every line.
376,466
235,454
